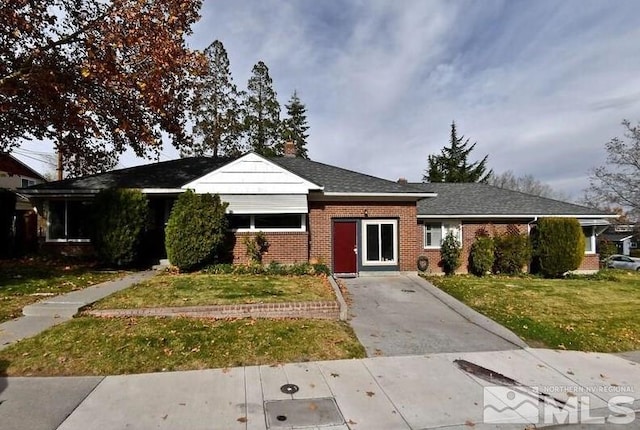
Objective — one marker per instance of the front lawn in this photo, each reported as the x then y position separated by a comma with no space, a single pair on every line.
199,289
110,346
25,281
590,313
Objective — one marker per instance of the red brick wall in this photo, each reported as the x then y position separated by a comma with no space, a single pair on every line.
469,229
322,213
590,262
284,247
68,249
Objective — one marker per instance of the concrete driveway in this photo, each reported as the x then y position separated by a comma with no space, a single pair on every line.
406,315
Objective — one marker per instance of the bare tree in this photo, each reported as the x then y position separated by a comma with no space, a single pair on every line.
525,184
617,183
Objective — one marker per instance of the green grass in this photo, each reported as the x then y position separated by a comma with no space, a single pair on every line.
201,289
26,281
588,313
99,346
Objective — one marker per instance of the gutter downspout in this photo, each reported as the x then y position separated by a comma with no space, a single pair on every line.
535,219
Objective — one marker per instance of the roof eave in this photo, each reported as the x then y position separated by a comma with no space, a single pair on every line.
508,216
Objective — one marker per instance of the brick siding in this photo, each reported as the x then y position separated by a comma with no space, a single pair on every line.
315,310
321,215
469,230
284,247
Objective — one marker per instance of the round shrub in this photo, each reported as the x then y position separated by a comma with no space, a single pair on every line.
481,256
119,219
450,252
196,230
558,245
512,252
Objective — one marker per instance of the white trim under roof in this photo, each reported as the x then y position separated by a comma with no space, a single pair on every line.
162,190
348,194
490,216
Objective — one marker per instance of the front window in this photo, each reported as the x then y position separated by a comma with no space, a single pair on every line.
589,240
69,220
276,222
27,183
380,242
435,232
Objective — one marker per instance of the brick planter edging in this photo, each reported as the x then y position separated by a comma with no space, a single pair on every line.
314,310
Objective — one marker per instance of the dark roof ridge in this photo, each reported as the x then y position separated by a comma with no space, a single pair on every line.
408,185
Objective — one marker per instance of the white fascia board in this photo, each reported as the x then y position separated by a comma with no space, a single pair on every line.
347,194
162,190
488,216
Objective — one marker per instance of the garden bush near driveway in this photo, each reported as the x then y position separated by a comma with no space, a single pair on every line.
200,289
26,281
110,346
585,313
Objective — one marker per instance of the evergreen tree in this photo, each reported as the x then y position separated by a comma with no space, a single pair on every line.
294,127
262,112
452,164
216,108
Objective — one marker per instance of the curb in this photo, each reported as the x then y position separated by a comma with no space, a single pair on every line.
344,309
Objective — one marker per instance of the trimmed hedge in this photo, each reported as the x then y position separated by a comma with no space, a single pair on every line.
196,230
481,255
512,253
119,219
273,268
558,245
450,253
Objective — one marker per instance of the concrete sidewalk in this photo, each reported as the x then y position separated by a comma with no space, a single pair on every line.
55,310
386,393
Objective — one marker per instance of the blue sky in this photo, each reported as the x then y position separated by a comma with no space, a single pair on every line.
540,85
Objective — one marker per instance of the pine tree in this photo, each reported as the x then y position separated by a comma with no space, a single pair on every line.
452,164
216,108
262,112
294,127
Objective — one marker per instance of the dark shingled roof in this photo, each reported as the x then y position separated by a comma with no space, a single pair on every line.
166,174
482,199
176,173
339,180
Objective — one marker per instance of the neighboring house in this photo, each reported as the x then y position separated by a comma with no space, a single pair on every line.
624,236
15,175
309,211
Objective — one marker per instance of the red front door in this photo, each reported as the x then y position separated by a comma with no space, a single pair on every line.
345,258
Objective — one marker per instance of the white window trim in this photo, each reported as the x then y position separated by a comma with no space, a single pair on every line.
252,225
592,239
367,222
66,220
443,232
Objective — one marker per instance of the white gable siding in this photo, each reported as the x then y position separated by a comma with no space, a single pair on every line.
252,174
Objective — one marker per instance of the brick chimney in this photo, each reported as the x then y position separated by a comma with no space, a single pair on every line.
403,181
290,149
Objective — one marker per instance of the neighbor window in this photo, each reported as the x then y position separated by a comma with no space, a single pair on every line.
435,232
69,220
277,222
27,183
589,240
380,242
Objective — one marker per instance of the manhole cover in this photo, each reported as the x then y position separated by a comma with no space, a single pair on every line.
289,388
408,291
302,413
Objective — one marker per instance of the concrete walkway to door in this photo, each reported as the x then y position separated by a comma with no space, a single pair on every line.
406,315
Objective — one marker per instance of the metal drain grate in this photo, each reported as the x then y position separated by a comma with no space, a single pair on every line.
302,413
